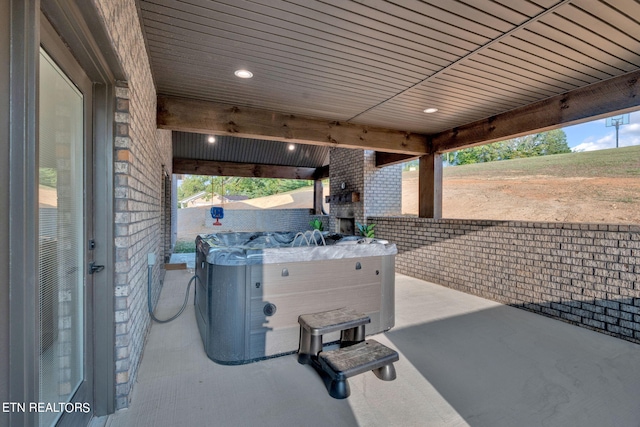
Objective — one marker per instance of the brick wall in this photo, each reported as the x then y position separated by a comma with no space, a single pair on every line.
380,188
140,153
585,274
346,166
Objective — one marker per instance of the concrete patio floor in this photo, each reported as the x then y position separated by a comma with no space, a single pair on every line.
464,361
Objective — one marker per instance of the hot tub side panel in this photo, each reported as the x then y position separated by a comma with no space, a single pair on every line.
388,303
281,292
202,307
221,313
228,299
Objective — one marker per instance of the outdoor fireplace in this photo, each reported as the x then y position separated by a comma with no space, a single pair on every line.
346,225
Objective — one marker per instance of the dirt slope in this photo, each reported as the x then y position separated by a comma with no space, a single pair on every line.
534,198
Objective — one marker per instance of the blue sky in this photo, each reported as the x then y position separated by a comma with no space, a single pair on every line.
596,136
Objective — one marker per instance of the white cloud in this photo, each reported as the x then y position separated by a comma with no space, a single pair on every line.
628,135
607,141
630,128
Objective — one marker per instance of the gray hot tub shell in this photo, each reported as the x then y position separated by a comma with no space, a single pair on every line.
252,287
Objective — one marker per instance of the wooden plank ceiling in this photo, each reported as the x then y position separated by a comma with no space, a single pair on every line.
380,63
195,153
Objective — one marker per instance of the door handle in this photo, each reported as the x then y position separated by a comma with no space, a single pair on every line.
93,268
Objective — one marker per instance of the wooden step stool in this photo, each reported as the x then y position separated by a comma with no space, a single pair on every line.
354,356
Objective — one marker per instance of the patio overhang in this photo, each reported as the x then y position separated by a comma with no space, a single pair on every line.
365,75
614,96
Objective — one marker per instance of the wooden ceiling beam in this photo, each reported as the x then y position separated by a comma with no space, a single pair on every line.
189,115
322,172
388,159
614,96
248,170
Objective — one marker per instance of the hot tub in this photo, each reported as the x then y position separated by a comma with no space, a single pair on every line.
252,287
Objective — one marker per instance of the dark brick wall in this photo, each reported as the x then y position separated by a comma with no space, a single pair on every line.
585,274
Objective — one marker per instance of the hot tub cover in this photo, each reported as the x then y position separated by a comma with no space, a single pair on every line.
276,247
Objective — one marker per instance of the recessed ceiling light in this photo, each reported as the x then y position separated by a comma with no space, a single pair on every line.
430,110
243,74
211,139
291,147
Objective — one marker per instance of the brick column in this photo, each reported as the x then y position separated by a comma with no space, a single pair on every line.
380,189
122,167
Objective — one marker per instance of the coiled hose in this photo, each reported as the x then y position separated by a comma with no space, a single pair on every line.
184,304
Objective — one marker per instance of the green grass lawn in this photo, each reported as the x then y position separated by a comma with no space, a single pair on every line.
616,162
184,247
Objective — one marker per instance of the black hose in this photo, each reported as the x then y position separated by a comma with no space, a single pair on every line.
184,305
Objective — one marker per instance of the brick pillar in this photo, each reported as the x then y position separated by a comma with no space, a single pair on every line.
123,287
380,189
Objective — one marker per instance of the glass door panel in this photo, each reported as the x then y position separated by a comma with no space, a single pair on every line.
61,237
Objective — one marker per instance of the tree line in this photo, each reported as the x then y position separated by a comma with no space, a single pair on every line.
224,185
539,144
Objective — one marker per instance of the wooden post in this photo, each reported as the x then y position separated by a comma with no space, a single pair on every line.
317,197
430,186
